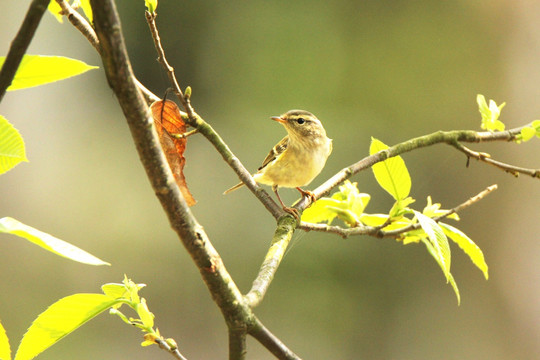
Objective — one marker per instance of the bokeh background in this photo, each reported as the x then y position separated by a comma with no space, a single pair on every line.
389,69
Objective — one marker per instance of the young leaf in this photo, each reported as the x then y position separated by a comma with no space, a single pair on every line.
438,240
48,242
490,114
449,278
37,70
59,320
5,350
85,5
169,123
12,150
391,174
55,9
151,5
468,246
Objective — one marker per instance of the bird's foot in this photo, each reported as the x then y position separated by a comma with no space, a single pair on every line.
307,194
294,212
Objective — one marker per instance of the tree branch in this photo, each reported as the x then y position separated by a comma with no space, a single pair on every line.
207,131
120,77
20,44
449,137
378,232
282,237
271,342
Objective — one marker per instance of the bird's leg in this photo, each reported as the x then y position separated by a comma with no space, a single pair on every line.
308,194
290,210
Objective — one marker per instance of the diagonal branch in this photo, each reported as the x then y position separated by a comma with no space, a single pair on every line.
448,137
20,44
206,129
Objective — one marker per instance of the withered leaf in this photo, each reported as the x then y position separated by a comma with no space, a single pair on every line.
168,123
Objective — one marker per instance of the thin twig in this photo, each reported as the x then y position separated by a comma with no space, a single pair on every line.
271,342
20,43
206,130
480,156
377,232
282,236
172,350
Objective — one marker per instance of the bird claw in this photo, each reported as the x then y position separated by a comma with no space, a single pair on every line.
307,194
294,212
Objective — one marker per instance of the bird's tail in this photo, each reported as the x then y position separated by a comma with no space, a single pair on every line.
233,188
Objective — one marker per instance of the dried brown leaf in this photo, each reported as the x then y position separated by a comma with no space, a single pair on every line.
169,124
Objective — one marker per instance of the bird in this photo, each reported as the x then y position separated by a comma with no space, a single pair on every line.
297,159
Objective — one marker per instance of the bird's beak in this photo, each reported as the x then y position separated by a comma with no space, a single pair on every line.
278,119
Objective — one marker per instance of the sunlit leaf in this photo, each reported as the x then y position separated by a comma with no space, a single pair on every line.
151,5
5,350
55,10
438,240
12,150
48,242
145,315
85,5
347,204
468,246
37,70
527,133
59,320
169,124
391,174
450,277
490,114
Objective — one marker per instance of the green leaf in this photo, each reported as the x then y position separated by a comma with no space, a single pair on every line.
85,5
391,174
116,291
468,246
490,114
151,5
438,240
449,278
5,350
347,204
144,313
48,242
12,150
527,133
36,70
59,320
55,10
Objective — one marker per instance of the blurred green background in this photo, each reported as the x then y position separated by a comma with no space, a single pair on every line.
388,69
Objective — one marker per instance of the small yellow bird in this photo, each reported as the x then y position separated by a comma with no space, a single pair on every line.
298,158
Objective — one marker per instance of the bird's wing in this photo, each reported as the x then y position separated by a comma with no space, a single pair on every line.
275,152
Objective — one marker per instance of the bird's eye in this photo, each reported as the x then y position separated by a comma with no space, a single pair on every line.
300,121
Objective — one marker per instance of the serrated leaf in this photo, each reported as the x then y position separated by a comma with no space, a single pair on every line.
468,246
48,242
5,350
391,174
59,320
36,70
12,150
438,240
450,278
